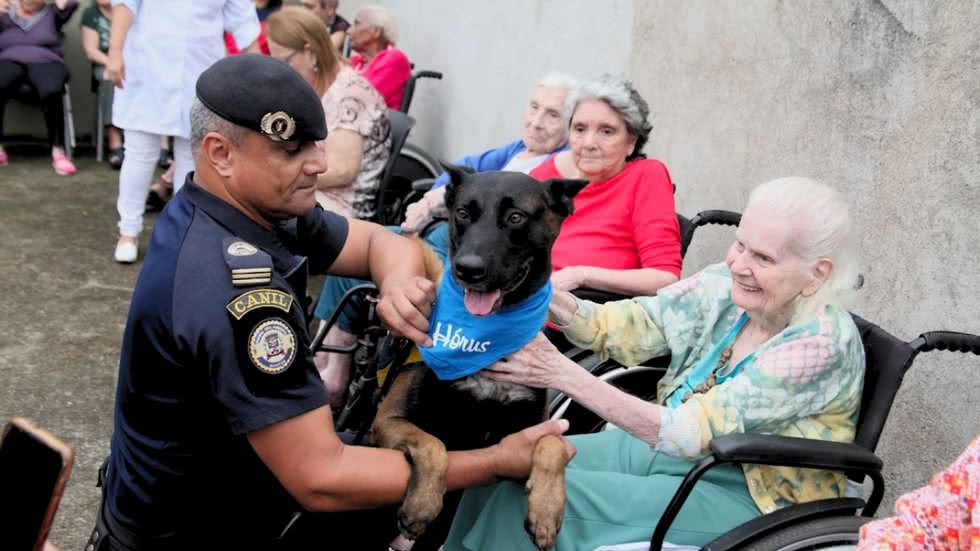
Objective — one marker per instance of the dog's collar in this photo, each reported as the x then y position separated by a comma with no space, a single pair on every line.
464,344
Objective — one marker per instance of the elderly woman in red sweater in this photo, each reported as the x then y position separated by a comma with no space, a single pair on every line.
623,236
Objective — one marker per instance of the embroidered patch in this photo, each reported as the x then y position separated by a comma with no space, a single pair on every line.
259,298
272,346
241,248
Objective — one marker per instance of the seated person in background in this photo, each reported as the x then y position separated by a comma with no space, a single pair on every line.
96,29
545,132
373,39
359,134
942,516
760,344
623,236
327,11
31,51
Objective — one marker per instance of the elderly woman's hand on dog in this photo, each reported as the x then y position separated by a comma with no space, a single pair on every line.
539,364
404,306
572,277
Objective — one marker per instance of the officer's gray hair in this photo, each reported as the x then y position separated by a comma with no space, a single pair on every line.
204,120
379,16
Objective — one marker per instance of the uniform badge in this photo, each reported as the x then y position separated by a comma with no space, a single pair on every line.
241,248
259,298
278,126
272,346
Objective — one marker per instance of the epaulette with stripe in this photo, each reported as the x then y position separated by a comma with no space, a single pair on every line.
249,265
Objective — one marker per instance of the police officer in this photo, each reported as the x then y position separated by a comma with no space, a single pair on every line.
221,427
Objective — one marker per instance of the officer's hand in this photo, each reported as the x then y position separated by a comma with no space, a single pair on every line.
405,306
512,456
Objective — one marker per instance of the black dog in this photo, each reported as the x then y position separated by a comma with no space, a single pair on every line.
501,229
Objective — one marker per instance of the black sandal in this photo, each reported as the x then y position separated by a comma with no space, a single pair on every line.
155,201
115,157
166,157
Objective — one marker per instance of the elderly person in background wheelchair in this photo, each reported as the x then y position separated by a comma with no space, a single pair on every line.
545,133
373,37
359,140
759,344
31,51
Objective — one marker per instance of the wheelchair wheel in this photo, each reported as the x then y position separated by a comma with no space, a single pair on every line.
828,534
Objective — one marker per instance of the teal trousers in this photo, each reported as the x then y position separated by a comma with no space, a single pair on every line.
616,490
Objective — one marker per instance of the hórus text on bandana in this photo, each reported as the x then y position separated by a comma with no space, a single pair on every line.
463,343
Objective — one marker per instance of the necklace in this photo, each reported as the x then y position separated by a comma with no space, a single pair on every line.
712,380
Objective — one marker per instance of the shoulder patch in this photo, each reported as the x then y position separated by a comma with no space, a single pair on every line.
249,265
272,346
259,298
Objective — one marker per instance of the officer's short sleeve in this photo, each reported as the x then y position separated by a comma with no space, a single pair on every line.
322,235
262,372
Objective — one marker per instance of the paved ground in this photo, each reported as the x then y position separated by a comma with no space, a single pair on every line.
63,312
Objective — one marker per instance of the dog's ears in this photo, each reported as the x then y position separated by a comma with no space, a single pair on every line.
456,175
562,192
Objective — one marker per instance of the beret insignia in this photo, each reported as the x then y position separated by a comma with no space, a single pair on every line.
272,346
278,126
241,248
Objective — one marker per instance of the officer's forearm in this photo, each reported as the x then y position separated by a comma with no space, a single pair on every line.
363,478
393,255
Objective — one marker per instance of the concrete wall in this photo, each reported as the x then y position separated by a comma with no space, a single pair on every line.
879,98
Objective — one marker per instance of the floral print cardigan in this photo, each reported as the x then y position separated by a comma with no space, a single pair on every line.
804,382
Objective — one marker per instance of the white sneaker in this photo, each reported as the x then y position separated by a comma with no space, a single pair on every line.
126,252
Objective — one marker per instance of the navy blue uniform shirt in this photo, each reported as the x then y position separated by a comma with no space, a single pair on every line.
204,362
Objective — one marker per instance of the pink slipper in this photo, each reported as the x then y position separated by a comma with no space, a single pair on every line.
3,157
62,165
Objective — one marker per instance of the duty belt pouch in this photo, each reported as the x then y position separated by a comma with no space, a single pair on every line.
100,539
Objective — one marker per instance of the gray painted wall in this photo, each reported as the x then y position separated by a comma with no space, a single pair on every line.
879,98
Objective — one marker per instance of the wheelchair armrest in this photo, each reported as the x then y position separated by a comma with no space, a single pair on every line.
598,296
768,449
423,184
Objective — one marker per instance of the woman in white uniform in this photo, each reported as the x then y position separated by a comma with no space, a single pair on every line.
156,53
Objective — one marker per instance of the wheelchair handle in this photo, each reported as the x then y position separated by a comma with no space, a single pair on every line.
952,341
720,217
429,74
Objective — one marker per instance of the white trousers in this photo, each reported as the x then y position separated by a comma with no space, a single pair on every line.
136,175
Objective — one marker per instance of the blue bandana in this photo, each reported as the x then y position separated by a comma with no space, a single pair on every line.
463,344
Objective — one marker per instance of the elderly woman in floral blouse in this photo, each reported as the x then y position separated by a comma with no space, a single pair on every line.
759,344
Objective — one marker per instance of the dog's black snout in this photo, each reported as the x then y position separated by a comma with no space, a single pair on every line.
470,268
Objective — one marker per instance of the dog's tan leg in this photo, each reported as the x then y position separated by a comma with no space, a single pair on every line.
546,491
426,454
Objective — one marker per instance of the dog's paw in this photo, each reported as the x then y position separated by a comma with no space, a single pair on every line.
545,508
418,511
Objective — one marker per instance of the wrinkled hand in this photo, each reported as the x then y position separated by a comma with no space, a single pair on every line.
512,455
572,277
405,305
539,364
416,216
115,69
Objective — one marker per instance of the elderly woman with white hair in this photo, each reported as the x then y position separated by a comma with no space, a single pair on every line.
759,344
373,39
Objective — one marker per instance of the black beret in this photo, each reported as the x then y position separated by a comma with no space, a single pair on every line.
265,95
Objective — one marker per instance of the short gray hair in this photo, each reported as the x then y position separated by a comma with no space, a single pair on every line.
380,17
823,229
619,94
204,120
560,81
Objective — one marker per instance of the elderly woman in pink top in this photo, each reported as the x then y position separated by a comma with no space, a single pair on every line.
373,40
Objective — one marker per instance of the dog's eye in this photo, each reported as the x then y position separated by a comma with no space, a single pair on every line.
462,214
515,218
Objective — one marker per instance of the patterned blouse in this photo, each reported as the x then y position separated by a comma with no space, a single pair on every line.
351,103
804,382
942,516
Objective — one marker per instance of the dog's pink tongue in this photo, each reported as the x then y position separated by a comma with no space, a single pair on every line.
480,303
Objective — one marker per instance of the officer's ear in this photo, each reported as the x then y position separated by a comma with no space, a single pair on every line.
219,151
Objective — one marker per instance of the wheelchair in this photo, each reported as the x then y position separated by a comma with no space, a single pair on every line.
830,524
